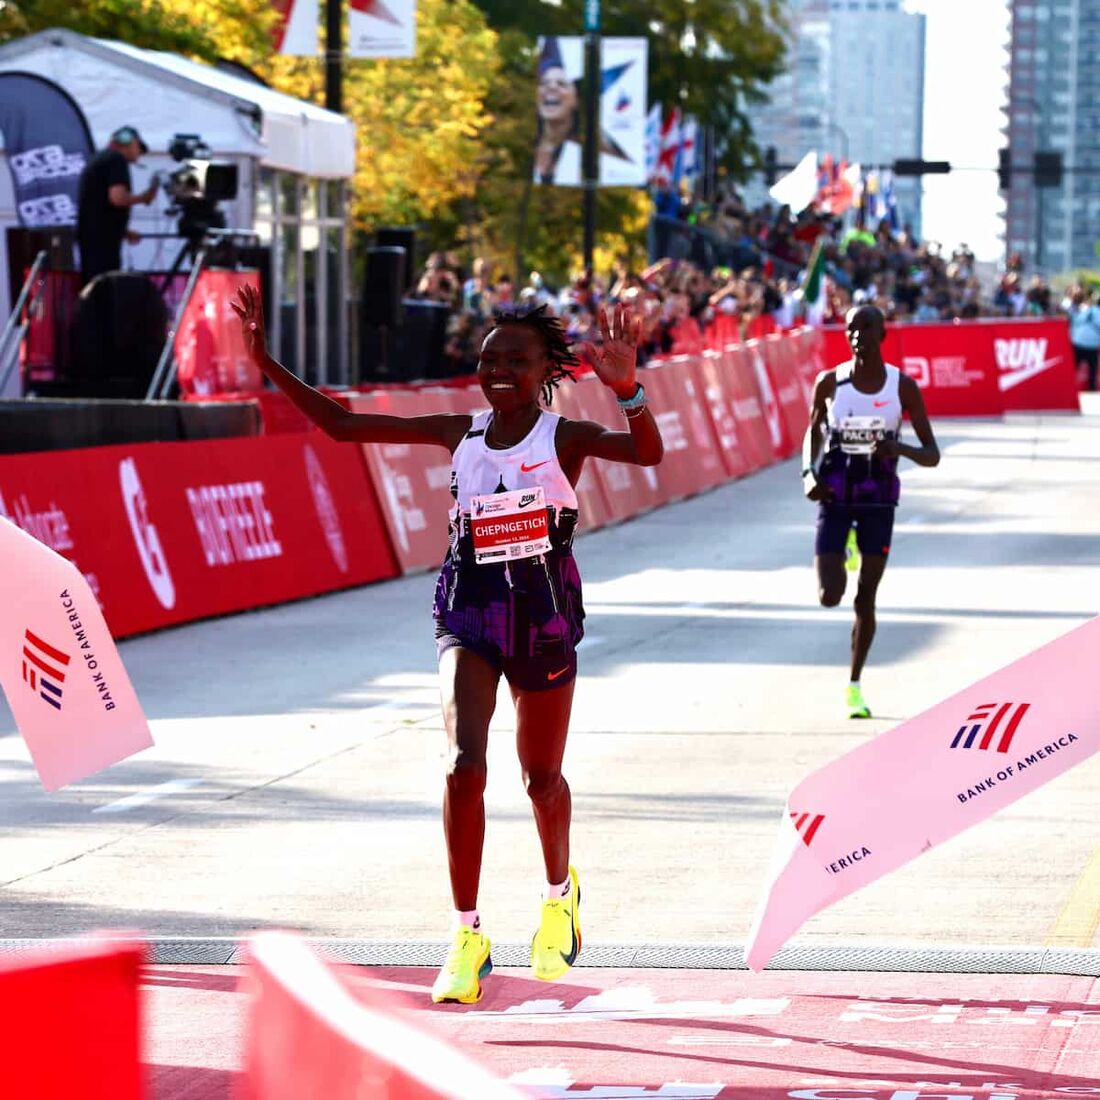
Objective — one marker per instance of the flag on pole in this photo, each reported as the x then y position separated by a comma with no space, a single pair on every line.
381,28
797,188
670,147
652,140
59,668
929,779
815,286
689,151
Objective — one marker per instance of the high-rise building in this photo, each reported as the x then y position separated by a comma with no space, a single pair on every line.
854,88
1054,107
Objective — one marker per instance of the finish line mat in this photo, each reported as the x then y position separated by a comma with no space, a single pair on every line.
606,1034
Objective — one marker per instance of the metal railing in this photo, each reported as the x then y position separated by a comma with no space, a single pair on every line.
9,349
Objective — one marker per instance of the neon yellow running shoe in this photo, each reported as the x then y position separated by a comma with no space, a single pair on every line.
857,706
468,961
557,943
852,559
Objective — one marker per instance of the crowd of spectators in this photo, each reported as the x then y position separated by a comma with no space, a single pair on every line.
759,289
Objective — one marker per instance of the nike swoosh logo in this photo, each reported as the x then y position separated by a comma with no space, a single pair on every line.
1009,380
527,469
881,404
555,675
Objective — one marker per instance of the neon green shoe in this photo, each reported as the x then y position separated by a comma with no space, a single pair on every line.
557,943
857,706
468,961
852,559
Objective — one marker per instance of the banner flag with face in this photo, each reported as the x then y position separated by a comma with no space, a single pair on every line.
59,668
884,803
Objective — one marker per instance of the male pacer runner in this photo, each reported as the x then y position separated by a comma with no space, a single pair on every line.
849,466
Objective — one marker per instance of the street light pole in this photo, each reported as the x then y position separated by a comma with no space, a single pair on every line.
592,126
334,56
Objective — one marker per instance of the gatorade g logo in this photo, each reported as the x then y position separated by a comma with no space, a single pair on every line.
326,509
145,535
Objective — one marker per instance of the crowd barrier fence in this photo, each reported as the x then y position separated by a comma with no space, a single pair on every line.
171,532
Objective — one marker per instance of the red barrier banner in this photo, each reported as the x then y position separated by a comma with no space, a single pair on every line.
628,490
72,1021
1035,365
170,532
413,483
757,428
980,368
719,397
594,509
209,346
781,357
692,461
768,395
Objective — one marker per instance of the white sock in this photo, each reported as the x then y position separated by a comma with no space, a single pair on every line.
468,918
558,889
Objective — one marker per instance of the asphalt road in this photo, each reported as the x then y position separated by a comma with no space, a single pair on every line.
297,773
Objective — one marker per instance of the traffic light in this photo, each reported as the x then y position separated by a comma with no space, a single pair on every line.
1048,169
771,165
1004,169
916,167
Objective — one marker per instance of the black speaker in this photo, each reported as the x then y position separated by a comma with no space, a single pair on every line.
119,332
384,287
400,236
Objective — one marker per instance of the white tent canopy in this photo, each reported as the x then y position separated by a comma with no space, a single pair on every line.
161,94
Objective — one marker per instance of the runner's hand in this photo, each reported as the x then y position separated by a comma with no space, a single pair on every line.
616,358
886,448
819,493
247,307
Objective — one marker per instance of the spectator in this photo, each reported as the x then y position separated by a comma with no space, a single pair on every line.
1084,331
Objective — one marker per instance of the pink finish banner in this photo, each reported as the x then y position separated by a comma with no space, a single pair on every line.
927,780
60,670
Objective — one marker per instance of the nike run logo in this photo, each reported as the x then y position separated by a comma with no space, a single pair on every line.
527,469
881,404
555,675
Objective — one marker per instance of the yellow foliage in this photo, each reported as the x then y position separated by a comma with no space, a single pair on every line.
418,120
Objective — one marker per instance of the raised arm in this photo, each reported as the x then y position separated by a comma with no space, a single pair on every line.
615,363
444,429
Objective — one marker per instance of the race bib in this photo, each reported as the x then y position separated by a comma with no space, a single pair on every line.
508,526
859,434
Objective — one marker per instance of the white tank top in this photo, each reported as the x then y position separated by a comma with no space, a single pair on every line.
850,405
477,470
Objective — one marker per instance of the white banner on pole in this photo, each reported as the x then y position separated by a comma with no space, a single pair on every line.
382,28
296,35
624,86
623,106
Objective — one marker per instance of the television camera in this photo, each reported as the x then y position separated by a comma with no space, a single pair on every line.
197,186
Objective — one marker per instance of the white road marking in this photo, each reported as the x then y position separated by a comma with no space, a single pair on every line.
131,801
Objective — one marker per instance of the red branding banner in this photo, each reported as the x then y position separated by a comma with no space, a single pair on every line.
767,391
756,427
980,368
413,483
782,358
718,394
209,345
169,532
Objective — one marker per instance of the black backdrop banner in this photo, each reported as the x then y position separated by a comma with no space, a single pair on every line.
47,143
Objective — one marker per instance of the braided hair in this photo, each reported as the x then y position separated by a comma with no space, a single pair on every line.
552,333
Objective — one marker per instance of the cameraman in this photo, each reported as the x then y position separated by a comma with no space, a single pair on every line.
104,203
